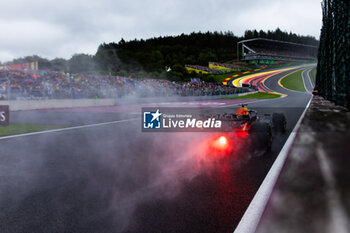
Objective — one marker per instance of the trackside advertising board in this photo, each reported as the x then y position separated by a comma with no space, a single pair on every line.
4,115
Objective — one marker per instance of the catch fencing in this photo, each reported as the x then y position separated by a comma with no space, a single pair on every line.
333,69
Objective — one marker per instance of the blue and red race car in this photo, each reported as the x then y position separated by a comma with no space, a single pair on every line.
256,130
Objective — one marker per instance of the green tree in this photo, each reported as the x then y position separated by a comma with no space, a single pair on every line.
123,73
156,61
59,64
178,68
107,59
81,63
205,58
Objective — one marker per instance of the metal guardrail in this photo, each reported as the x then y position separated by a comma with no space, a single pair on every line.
333,69
67,93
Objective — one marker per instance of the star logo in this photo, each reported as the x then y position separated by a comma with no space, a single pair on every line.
156,115
152,120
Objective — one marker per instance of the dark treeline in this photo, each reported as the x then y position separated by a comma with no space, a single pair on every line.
283,36
153,55
196,48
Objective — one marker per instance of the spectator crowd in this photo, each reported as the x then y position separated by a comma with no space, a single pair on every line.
59,85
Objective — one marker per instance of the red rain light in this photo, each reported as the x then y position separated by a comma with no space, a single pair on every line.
221,143
222,140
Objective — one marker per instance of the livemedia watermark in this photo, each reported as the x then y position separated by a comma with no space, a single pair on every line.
178,120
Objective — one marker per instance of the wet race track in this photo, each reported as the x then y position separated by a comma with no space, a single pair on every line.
114,178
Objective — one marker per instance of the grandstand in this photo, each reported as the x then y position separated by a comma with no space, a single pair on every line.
198,69
226,67
267,51
215,68
24,66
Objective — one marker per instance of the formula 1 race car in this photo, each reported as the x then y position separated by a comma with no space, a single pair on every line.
256,129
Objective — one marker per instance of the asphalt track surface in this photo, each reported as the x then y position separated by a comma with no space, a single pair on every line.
114,178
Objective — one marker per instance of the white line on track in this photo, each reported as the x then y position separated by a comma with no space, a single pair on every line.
103,123
232,105
309,79
303,76
253,214
68,128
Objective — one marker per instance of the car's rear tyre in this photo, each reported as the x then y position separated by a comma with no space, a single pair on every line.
279,122
261,136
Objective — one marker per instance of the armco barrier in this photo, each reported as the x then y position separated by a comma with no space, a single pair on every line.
16,105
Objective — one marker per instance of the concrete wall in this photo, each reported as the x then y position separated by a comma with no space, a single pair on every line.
16,105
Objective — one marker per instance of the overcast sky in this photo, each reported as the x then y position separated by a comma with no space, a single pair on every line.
62,28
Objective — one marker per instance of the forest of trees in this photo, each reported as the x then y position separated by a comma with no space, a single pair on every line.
151,56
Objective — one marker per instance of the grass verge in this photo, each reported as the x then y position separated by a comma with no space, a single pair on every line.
14,129
294,81
259,95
